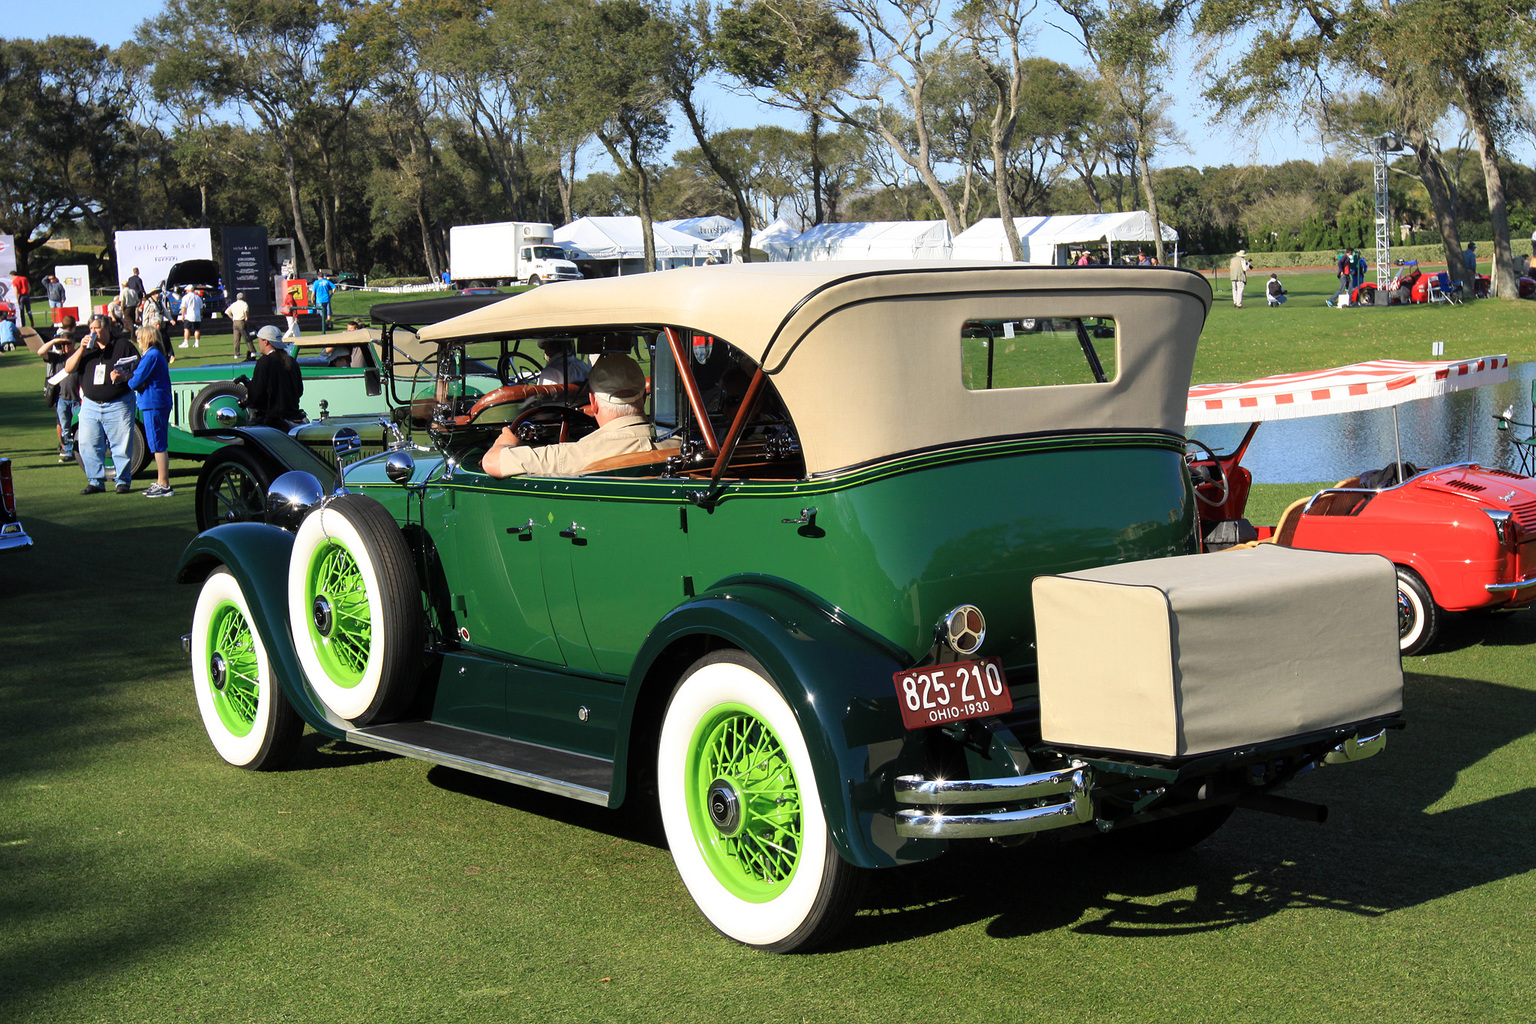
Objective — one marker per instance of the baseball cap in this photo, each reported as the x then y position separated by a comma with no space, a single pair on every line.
271,335
618,379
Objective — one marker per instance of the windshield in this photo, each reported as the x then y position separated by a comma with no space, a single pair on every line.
548,252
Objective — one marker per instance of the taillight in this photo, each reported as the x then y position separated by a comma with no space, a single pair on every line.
7,489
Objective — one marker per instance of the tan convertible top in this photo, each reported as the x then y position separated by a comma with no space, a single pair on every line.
866,355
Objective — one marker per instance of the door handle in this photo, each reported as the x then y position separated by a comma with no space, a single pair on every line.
569,533
525,531
807,517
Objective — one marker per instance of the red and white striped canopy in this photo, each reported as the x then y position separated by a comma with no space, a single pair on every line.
1371,385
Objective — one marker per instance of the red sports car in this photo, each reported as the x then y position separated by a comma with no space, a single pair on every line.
1463,536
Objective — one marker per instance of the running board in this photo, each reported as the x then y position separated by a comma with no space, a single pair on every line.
578,776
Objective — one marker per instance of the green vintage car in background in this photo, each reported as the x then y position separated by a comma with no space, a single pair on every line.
912,563
200,393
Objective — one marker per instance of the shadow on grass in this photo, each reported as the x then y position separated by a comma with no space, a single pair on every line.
1388,846
637,821
62,934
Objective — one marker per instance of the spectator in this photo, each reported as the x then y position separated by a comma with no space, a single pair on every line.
561,365
1344,270
276,385
133,296
290,311
62,393
1238,271
239,312
21,290
106,406
352,356
1274,291
1357,278
1469,260
152,315
321,290
191,318
152,380
55,290
10,334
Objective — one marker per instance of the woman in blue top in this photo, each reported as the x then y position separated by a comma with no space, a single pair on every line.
152,380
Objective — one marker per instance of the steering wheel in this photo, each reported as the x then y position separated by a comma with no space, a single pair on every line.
518,368
1206,473
531,425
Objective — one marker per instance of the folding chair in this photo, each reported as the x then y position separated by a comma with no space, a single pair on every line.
1524,446
1442,289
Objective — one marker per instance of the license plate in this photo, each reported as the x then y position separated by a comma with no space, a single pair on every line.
939,694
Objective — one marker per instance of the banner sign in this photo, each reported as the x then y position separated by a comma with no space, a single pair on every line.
245,266
77,288
155,252
7,259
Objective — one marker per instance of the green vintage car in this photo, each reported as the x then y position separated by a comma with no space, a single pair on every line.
200,393
912,563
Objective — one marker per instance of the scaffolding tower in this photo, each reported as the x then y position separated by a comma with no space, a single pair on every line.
1384,144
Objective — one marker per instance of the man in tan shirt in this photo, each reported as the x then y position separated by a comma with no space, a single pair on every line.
1238,269
617,385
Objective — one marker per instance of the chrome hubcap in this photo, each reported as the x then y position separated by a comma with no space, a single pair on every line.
216,671
323,617
724,807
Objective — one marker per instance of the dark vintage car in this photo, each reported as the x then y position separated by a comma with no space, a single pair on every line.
849,610
1462,537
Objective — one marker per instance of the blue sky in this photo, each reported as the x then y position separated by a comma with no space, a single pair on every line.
113,22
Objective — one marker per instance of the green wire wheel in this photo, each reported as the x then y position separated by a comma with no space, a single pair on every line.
742,811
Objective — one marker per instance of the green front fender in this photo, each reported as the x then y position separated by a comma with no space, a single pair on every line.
257,555
834,674
287,452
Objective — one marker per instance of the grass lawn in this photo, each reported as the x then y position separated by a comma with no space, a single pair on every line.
141,879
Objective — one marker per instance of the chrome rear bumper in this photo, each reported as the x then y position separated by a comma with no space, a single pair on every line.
1057,799
1071,784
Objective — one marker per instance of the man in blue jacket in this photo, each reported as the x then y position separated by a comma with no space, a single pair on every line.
321,290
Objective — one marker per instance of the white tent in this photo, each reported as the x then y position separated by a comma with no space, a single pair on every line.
1047,239
618,239
888,240
707,228
772,241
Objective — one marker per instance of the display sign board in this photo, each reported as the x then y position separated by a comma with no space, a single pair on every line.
7,259
155,252
77,288
245,266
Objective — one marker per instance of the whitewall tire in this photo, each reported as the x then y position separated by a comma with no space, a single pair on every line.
247,717
354,609
742,812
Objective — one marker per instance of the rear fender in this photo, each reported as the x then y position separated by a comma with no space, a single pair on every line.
257,555
835,675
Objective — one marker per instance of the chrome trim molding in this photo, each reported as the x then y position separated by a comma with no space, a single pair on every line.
1073,782
1357,748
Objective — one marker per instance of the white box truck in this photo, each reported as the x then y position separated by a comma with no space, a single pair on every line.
511,252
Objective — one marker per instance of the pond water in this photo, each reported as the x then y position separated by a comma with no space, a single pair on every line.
1455,428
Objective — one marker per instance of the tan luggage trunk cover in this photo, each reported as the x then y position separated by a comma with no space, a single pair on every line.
1174,657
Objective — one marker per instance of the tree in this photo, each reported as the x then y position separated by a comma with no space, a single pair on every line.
694,57
799,52
66,101
1282,69
1127,40
298,65
997,32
